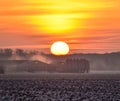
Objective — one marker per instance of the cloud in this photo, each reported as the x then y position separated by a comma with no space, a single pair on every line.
35,7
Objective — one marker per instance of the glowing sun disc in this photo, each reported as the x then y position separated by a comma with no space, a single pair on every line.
59,48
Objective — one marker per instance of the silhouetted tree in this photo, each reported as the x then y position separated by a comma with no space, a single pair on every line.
5,53
84,66
78,65
20,52
8,52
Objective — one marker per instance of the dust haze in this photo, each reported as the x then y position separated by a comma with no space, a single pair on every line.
22,60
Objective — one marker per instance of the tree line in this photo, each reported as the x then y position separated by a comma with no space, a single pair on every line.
8,53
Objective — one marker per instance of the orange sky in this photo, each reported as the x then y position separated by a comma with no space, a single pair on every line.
86,25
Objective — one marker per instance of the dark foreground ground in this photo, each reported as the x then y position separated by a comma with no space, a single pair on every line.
60,88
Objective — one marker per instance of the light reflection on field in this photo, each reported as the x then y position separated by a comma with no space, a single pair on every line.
61,76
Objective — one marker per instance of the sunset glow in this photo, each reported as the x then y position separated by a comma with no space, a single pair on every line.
59,23
86,25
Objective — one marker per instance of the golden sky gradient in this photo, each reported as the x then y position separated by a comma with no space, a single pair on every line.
86,25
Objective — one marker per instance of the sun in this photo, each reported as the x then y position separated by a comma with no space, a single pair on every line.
59,48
